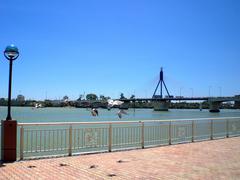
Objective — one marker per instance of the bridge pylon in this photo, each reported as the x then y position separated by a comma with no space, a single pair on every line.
160,104
160,83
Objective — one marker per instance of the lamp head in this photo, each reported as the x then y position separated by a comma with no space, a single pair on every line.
11,52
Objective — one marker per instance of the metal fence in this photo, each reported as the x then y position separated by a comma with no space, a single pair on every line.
50,139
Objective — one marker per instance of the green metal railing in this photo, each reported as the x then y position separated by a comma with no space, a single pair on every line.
50,139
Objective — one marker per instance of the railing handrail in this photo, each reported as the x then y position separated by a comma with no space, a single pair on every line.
118,122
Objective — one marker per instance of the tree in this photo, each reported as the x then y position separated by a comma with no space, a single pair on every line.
65,98
80,97
108,97
48,103
122,96
102,97
91,97
132,97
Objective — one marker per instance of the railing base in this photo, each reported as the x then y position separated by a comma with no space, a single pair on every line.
9,141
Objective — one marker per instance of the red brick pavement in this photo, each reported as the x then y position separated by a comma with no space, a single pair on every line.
217,159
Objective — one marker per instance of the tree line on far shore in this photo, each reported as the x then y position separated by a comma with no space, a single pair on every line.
92,100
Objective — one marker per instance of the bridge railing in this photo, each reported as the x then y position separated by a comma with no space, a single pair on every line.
54,139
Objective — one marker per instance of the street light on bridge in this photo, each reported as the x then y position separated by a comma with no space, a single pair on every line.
191,91
181,88
209,90
220,91
11,53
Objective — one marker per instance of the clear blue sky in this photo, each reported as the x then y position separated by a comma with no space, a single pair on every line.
107,47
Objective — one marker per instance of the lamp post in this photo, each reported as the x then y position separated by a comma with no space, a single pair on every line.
181,88
180,93
191,91
209,90
220,91
11,53
9,126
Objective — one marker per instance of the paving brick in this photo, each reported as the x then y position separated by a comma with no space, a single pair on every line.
217,159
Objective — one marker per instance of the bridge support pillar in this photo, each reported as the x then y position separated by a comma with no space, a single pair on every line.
161,105
200,106
214,106
237,104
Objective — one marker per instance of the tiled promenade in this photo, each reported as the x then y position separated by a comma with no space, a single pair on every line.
217,159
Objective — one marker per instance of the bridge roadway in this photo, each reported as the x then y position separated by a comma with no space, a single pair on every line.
217,99
162,104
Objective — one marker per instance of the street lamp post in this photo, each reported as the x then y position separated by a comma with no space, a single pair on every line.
181,88
9,126
180,93
11,53
191,91
209,90
220,91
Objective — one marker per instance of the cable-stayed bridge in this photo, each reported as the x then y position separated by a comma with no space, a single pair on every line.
162,103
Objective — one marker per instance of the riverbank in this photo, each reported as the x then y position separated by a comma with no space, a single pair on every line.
104,104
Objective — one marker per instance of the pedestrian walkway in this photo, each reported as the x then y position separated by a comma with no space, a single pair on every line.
217,159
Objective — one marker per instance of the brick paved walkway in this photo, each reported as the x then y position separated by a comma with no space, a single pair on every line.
217,159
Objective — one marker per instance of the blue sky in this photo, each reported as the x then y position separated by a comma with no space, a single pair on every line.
108,47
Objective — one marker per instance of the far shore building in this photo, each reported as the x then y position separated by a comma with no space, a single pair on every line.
20,98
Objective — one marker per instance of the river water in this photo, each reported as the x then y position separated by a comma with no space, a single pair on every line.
44,138
28,114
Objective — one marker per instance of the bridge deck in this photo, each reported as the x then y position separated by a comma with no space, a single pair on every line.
220,99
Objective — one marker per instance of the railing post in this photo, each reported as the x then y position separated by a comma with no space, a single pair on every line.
227,127
142,135
110,137
70,141
21,142
211,127
193,131
170,133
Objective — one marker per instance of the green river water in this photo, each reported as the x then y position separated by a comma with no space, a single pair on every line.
28,114
124,136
